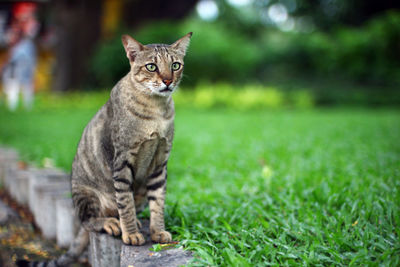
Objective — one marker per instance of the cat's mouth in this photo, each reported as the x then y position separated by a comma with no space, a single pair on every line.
166,89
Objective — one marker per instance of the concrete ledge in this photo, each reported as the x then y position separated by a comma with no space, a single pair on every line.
18,186
45,206
47,193
106,250
42,177
67,224
7,156
143,257
10,167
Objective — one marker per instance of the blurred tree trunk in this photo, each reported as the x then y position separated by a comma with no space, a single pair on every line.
78,25
138,12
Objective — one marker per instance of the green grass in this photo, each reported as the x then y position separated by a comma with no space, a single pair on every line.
332,199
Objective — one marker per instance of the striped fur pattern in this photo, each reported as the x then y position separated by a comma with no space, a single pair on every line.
121,161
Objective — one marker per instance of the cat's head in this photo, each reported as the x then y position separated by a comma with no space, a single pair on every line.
156,68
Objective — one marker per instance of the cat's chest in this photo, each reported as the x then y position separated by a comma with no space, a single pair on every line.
152,154
161,128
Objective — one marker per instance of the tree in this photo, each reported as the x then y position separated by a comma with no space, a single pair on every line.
78,27
329,13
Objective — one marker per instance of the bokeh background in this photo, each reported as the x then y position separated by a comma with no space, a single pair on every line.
329,52
286,149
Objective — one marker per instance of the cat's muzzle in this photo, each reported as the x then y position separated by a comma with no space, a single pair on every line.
166,89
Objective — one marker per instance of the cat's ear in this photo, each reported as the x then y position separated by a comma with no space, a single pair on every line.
132,47
182,44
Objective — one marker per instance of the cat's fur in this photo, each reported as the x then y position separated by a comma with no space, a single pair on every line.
121,160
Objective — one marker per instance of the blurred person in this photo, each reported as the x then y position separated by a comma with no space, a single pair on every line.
19,68
3,20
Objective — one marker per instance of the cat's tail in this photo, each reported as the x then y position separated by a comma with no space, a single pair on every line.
75,250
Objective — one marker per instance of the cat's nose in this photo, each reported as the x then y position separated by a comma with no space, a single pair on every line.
167,82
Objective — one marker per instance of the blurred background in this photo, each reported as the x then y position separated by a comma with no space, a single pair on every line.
293,52
288,112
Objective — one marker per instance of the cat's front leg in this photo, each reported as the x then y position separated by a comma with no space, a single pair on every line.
156,187
123,176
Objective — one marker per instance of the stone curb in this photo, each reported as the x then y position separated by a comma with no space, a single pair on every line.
8,165
47,194
45,206
106,250
67,224
45,191
42,177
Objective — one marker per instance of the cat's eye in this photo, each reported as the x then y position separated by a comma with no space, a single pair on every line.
176,66
151,67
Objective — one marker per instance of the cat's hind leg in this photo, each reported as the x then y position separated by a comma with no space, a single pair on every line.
110,225
87,206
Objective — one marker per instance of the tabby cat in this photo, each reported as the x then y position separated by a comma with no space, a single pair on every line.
121,160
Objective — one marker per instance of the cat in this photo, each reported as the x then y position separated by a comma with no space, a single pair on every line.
121,160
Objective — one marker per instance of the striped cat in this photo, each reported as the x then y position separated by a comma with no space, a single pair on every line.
121,160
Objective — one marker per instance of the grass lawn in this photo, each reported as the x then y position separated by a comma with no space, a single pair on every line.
257,188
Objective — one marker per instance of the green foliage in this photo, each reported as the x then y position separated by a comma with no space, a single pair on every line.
219,52
215,52
259,188
247,97
109,63
156,247
331,199
365,54
71,100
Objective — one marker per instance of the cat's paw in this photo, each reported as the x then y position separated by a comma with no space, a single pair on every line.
112,227
135,239
161,237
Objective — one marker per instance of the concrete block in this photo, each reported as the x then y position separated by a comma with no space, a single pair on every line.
7,156
67,223
18,186
10,173
41,177
45,206
104,250
143,257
